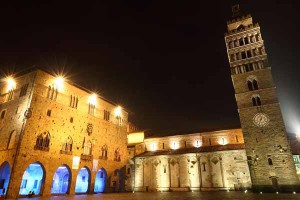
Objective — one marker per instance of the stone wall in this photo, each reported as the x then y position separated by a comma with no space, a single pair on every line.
60,126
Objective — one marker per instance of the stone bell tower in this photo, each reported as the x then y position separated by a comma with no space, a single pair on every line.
268,151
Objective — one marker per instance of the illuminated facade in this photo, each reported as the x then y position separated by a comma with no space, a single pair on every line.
201,161
57,138
267,147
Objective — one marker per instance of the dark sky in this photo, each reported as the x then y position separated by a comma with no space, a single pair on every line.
165,61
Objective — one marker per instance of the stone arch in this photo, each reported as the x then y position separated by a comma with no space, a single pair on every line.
33,179
61,180
4,176
67,145
43,141
100,181
83,181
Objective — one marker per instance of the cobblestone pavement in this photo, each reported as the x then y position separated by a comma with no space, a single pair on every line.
176,196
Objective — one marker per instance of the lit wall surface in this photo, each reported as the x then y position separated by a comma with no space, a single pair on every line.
100,181
60,182
82,181
32,179
4,177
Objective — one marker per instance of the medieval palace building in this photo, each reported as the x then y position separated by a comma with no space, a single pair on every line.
59,138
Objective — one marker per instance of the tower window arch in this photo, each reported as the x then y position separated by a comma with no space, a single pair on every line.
256,100
252,83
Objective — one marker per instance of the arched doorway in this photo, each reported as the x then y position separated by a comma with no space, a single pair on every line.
117,181
83,180
61,180
4,177
100,181
32,179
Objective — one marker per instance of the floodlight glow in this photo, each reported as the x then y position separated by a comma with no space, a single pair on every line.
197,144
153,147
93,99
174,145
59,83
118,111
223,141
11,84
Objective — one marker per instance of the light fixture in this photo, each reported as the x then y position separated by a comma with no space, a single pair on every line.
118,111
93,99
153,147
59,83
11,83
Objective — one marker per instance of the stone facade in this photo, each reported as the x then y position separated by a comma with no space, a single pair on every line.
49,126
192,162
268,151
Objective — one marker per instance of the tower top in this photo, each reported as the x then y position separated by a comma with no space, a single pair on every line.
236,12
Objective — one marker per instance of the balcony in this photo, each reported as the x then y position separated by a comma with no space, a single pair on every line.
86,157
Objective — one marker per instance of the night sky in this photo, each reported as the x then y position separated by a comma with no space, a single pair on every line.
164,61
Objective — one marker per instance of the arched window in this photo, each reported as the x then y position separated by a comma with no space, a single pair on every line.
270,161
67,146
42,141
12,140
256,100
250,86
252,83
255,85
87,148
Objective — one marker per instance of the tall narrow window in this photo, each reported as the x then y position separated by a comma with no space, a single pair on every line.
204,166
106,115
73,101
270,161
243,55
23,90
91,109
163,145
250,86
9,95
104,149
255,85
52,92
256,100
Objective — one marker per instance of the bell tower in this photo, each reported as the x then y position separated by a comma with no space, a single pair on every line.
268,151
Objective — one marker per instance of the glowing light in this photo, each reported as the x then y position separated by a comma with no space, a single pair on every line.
153,147
11,84
118,111
174,145
223,141
276,192
294,192
260,192
59,83
246,191
197,144
93,99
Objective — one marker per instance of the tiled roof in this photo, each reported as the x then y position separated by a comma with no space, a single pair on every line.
194,150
